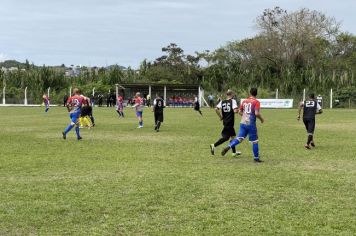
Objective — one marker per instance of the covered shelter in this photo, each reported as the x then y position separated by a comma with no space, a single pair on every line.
169,92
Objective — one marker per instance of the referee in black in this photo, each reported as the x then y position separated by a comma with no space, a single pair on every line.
226,110
310,108
158,106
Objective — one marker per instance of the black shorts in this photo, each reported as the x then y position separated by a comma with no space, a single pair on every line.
309,125
84,111
158,117
228,132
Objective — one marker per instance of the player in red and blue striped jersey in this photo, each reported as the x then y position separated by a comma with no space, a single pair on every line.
74,104
46,102
120,106
139,109
250,112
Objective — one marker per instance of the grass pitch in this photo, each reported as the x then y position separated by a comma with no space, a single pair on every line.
121,180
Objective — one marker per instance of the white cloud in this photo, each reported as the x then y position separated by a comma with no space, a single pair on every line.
3,57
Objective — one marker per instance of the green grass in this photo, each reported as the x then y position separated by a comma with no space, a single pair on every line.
120,180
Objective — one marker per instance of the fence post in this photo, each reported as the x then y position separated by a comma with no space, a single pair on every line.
277,94
331,98
70,91
149,92
199,95
165,93
304,95
117,90
25,101
3,95
48,91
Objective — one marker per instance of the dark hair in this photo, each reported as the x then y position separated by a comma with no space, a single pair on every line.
311,95
253,92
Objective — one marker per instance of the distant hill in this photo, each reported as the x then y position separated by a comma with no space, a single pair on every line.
22,65
12,63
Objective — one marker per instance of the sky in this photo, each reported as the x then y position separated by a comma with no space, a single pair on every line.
125,32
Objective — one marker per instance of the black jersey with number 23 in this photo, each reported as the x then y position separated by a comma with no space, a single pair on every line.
310,108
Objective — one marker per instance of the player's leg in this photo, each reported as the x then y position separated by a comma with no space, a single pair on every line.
223,139
118,112
253,138
311,128
309,137
69,127
88,122
140,121
159,121
240,137
232,134
75,120
156,119
233,149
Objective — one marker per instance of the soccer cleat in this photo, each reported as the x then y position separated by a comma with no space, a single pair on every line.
312,144
79,138
225,150
237,153
157,130
306,146
140,127
212,149
64,135
258,160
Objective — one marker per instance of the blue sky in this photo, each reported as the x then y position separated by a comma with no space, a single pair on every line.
100,32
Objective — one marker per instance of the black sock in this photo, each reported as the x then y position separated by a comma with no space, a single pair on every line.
220,141
310,138
118,113
233,149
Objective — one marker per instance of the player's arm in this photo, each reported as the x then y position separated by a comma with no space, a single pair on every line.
300,110
68,106
218,110
89,103
258,113
259,116
235,107
241,110
154,105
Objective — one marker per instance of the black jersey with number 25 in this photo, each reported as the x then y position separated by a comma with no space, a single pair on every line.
227,110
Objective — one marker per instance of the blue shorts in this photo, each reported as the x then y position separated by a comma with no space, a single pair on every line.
74,116
139,113
250,130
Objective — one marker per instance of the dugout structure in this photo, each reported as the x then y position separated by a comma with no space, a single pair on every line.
167,91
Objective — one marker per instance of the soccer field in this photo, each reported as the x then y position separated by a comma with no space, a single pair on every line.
122,180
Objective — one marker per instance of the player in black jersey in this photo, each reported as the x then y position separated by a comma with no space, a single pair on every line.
226,110
310,108
158,106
